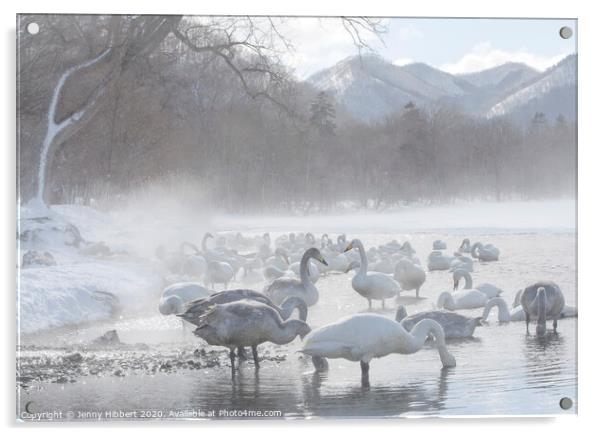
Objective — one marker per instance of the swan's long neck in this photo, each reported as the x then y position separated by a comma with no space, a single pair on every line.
475,247
363,259
503,315
288,331
419,334
467,279
446,301
517,298
282,255
292,303
304,270
204,243
540,300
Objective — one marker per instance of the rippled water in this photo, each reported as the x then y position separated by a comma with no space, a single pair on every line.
500,371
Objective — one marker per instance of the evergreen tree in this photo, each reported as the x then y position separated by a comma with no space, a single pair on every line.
323,115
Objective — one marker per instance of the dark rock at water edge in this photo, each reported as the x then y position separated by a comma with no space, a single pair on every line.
109,338
35,258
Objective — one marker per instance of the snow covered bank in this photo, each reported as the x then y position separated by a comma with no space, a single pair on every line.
68,293
65,294
554,216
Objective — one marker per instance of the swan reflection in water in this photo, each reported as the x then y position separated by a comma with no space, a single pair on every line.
546,366
331,399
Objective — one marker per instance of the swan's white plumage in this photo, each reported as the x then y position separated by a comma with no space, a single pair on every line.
175,297
465,299
362,337
374,285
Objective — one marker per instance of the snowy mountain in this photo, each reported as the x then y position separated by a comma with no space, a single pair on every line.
552,92
371,88
502,75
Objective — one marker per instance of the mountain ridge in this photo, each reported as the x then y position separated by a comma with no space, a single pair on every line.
371,88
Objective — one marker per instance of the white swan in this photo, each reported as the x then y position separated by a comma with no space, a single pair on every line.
192,264
438,262
247,324
282,288
314,272
279,260
409,275
454,325
485,253
374,285
518,314
459,261
542,300
277,265
486,288
466,299
363,337
174,298
218,272
336,261
385,266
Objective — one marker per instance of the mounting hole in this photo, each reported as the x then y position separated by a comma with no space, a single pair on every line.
566,32
566,403
33,28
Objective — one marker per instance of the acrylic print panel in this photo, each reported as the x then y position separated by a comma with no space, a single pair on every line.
284,217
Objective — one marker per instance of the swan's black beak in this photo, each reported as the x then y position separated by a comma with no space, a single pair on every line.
349,247
322,260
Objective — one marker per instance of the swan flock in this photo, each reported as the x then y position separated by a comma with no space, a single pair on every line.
293,267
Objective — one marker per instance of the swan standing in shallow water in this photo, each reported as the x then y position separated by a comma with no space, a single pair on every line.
198,307
517,313
374,285
486,288
363,337
195,309
282,288
542,300
409,275
455,326
247,324
466,299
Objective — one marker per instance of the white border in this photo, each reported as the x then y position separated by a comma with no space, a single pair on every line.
590,143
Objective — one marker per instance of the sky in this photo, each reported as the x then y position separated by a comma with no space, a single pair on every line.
453,45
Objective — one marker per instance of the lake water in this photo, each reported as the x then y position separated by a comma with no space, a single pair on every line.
502,371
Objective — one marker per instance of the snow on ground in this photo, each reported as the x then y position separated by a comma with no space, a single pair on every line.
67,293
64,294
